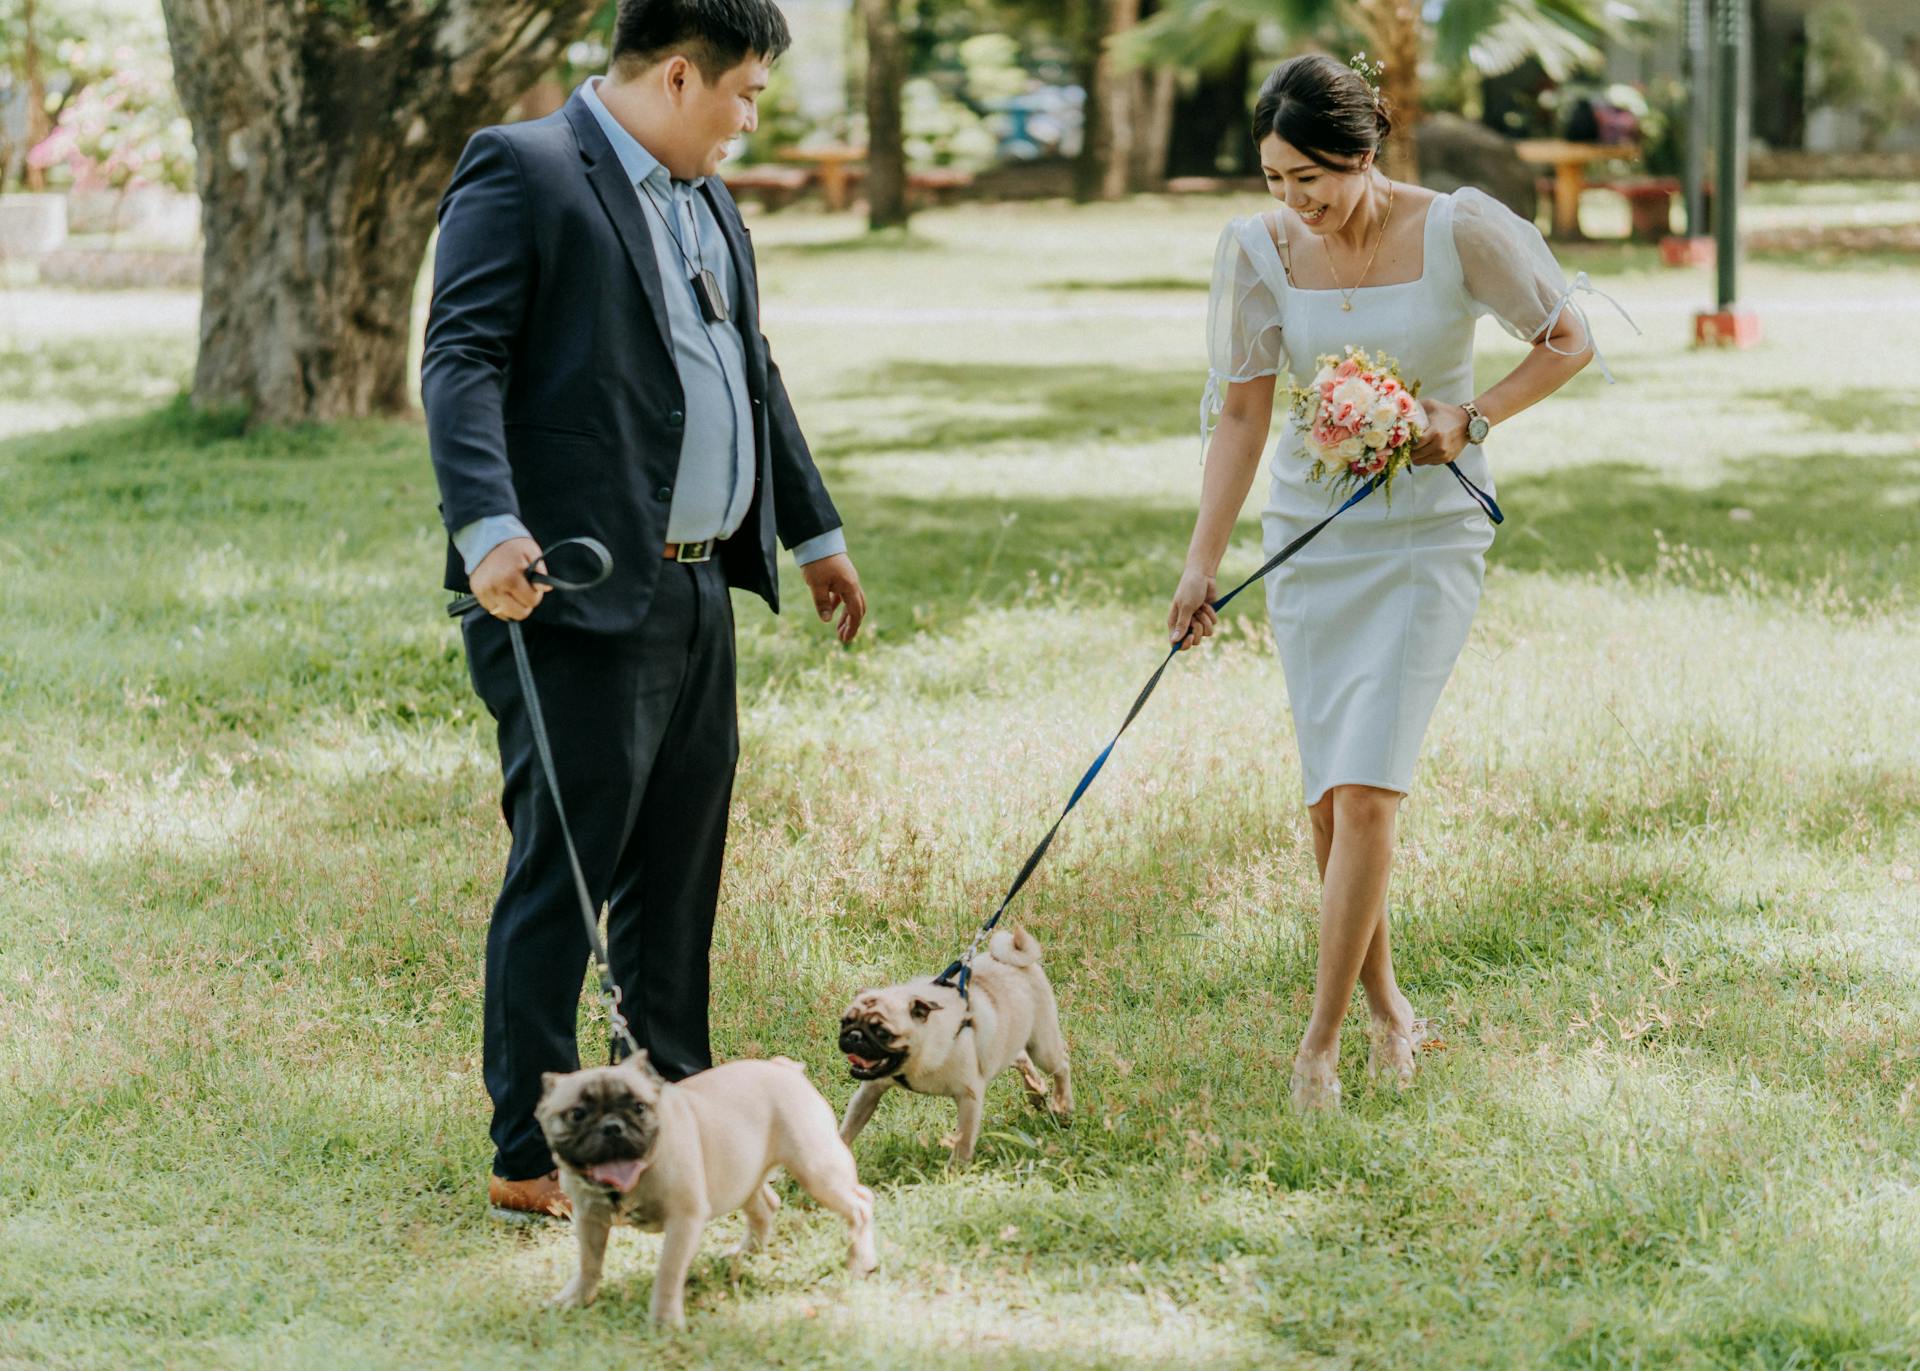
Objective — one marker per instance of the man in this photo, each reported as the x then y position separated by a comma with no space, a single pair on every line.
594,365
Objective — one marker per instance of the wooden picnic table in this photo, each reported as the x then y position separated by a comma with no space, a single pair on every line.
1569,161
833,162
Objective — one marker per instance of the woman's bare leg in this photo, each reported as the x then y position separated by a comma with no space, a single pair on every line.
1388,1008
1353,896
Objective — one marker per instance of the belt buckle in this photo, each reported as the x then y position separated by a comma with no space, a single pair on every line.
694,552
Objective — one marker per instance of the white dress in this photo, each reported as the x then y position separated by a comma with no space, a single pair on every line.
1371,615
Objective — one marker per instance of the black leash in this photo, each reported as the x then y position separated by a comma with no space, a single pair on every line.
960,973
465,605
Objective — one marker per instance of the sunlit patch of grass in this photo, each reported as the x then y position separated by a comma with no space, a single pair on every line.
1655,883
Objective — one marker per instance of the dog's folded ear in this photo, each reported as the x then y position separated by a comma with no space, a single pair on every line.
923,1008
547,1081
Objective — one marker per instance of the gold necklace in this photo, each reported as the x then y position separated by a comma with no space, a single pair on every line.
1346,293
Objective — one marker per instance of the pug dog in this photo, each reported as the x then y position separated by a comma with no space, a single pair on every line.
924,1037
634,1149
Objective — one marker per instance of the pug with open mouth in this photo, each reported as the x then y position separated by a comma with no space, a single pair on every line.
632,1148
924,1037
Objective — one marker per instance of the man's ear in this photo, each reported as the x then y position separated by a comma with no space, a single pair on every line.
923,1009
677,74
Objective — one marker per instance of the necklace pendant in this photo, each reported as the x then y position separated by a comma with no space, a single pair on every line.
1347,305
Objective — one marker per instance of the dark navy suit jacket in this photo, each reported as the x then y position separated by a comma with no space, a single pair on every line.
549,380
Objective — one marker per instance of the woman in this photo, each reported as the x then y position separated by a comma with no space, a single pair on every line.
1372,614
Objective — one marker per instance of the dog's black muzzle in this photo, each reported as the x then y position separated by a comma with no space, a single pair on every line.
870,1055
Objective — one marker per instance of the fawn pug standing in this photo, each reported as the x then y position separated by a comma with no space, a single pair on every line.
668,1158
923,1037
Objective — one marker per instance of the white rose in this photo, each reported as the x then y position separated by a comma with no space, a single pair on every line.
1383,416
1374,437
1348,449
1353,391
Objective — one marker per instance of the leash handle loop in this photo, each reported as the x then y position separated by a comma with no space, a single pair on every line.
603,568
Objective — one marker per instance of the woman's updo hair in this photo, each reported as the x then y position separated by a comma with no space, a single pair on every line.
1325,109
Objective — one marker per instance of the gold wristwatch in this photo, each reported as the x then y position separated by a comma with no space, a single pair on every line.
1478,425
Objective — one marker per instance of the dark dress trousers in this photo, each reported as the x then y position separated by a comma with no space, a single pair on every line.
551,394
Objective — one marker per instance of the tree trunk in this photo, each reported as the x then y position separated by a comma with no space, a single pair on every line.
1154,130
38,124
886,136
1122,101
1213,119
1088,33
1394,31
325,136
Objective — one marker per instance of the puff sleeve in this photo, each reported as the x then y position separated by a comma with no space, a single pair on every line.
1243,322
1508,271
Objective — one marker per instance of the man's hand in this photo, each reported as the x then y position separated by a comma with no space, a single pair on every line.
836,585
500,582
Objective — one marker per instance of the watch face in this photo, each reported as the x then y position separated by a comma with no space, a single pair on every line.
1477,429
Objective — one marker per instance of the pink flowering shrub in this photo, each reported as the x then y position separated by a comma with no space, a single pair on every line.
123,129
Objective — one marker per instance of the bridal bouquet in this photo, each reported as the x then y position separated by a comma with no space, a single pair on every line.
1357,420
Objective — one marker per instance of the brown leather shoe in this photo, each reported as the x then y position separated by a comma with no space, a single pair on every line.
520,1201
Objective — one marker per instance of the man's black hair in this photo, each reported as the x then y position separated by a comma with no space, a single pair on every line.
715,35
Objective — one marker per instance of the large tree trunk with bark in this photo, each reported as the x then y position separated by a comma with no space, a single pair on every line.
325,134
1394,32
886,132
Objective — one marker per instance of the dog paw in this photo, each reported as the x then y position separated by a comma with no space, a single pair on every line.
573,1296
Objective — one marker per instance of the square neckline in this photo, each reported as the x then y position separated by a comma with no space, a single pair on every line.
1268,235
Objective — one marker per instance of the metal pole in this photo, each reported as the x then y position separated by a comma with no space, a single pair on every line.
1730,41
1695,60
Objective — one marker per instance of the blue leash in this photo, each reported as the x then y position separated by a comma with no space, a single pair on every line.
960,974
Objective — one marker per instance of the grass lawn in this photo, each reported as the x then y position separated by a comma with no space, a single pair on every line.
1658,876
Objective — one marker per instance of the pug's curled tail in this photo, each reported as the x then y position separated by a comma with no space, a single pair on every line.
1015,947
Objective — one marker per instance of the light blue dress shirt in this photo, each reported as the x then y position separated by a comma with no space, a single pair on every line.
715,482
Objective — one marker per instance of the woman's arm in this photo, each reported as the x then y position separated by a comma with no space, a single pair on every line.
1233,456
1540,373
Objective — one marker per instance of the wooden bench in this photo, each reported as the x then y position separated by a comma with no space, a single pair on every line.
938,185
1649,204
772,187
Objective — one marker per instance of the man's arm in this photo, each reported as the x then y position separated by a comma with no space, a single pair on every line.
483,276
483,273
802,509
806,519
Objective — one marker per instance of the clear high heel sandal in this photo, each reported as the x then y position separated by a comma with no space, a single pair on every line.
1314,1089
1391,1058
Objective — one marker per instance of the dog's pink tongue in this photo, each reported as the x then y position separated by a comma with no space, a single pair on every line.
619,1175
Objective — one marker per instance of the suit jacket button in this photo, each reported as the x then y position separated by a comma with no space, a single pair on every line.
756,399
664,493
675,418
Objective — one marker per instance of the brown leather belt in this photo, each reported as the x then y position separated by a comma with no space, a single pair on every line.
689,552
